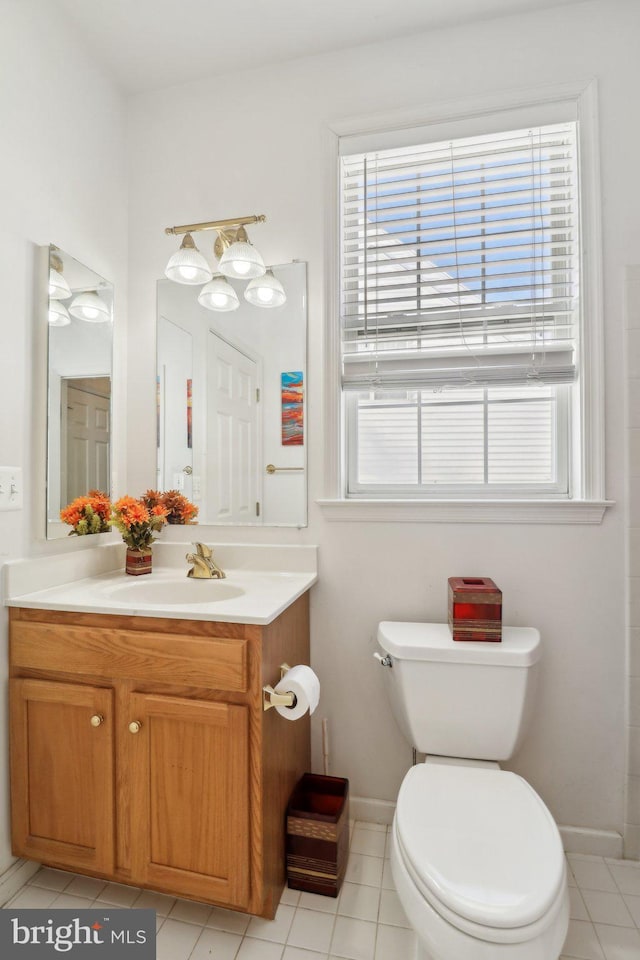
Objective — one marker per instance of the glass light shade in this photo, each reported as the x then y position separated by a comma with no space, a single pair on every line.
89,307
59,289
241,261
265,291
58,314
218,294
188,265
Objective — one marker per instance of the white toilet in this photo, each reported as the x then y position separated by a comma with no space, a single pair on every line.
476,857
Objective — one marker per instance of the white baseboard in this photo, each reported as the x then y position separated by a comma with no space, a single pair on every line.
15,877
597,843
373,811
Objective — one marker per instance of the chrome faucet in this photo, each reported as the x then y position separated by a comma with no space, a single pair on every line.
204,566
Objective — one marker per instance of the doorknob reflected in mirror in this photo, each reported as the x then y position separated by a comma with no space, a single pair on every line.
188,470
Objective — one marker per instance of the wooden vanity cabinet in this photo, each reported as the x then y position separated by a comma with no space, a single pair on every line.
140,751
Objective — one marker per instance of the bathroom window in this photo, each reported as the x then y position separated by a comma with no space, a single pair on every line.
461,313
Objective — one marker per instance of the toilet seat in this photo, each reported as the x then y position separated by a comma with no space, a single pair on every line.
482,849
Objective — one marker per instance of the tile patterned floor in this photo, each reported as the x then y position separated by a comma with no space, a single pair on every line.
366,922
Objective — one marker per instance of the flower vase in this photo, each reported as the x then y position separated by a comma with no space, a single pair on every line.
138,561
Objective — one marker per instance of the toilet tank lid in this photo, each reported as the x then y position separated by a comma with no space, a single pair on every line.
519,647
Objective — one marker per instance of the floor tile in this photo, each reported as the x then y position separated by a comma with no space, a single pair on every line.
65,901
354,939
297,953
387,876
312,930
150,900
364,869
228,920
592,873
626,876
577,908
176,940
290,896
33,898
582,942
633,906
359,901
368,842
259,950
51,879
391,910
190,912
87,887
367,825
393,943
216,944
119,895
276,929
619,943
607,908
315,901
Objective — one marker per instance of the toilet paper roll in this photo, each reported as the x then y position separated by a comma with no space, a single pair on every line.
302,681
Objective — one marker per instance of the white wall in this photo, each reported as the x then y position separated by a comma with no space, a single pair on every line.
62,180
256,144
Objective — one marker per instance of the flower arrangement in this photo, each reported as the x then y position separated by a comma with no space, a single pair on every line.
90,514
179,509
137,522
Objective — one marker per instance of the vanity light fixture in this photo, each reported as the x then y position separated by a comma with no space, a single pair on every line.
188,265
59,289
238,259
218,294
266,291
90,307
58,314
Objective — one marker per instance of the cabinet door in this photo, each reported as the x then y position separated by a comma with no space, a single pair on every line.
190,809
62,774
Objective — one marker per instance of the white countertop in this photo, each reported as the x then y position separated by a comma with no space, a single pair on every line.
255,595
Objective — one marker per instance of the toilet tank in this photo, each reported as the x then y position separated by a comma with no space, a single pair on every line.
460,699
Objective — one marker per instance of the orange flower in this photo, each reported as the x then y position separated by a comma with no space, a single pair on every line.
90,514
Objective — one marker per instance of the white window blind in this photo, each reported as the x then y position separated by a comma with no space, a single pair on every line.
459,262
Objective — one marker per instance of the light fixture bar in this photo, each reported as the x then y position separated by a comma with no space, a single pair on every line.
215,224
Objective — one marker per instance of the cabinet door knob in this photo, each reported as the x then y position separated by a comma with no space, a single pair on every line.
97,719
135,726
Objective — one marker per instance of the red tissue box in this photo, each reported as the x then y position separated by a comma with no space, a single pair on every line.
475,609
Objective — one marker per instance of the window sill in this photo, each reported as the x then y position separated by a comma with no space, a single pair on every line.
466,511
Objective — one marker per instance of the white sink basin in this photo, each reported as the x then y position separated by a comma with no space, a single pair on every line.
185,591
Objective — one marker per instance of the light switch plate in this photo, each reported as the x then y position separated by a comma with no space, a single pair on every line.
11,488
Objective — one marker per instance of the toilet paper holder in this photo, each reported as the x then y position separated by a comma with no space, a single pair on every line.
272,699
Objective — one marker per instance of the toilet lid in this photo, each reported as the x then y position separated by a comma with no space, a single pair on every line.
481,842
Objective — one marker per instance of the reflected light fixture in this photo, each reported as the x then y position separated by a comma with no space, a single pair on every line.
266,291
90,307
59,289
237,257
58,314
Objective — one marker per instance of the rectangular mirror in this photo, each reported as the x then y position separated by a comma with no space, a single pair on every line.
79,372
230,388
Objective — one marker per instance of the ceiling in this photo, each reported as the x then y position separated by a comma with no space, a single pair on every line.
148,44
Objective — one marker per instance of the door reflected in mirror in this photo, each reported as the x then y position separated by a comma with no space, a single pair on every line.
80,344
230,404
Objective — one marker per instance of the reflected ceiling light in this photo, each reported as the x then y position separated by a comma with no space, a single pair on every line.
266,291
59,289
89,307
237,257
58,314
188,265
218,294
